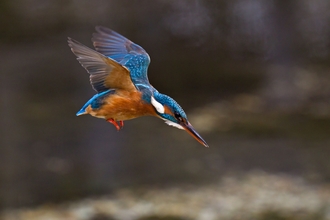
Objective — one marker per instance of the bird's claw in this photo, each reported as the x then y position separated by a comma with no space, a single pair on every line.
118,127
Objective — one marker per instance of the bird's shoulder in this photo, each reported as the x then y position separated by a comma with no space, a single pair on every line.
138,68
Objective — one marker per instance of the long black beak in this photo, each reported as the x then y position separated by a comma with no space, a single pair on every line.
190,129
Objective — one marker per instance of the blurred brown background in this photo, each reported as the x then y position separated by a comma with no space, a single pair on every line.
252,75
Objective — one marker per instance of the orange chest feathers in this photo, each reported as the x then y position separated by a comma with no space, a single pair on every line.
122,106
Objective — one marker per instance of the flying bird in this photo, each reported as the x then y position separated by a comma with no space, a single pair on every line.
118,73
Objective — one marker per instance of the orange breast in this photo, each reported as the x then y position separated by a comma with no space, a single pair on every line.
122,106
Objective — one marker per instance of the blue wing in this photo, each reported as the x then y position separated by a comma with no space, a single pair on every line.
124,51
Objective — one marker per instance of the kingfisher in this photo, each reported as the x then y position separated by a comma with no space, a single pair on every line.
118,73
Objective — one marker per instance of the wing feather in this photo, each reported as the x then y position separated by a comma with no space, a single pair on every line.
124,51
112,44
105,73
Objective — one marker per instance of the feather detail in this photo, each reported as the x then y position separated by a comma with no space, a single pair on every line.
173,124
158,106
105,73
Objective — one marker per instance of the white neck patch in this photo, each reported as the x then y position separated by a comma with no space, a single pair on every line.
159,107
173,124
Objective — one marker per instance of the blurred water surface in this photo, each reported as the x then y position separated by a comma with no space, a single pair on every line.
252,75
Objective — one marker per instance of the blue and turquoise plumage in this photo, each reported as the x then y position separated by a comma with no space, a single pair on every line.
118,73
125,52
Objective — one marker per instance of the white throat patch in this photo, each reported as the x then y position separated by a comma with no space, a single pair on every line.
173,124
159,107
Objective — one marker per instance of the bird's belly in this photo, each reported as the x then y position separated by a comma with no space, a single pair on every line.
121,108
119,114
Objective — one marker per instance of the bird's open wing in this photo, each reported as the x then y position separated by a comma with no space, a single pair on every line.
105,73
124,51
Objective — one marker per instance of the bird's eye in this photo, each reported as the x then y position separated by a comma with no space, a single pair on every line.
178,116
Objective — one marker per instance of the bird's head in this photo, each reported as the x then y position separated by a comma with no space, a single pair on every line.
172,113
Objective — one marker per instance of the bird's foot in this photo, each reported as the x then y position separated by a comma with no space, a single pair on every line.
118,127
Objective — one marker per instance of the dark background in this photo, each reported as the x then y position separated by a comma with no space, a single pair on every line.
253,77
